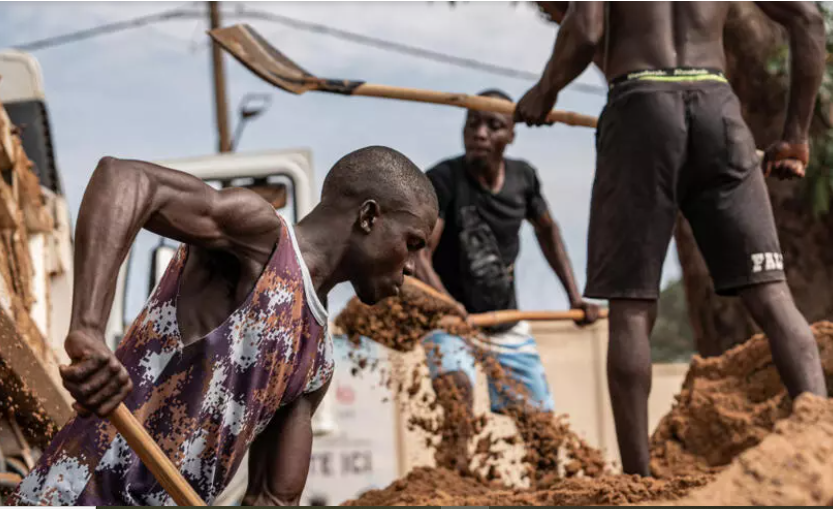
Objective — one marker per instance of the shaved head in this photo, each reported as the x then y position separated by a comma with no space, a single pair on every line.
381,174
390,208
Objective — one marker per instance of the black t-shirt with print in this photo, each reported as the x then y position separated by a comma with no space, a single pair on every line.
502,213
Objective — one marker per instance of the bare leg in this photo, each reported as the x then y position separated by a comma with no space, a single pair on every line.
629,379
794,349
455,395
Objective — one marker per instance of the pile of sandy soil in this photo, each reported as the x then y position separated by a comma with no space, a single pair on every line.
791,466
722,428
442,487
727,405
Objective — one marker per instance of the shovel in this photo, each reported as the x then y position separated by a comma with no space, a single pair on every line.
263,59
499,317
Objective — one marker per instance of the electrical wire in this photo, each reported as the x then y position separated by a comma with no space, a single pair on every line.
108,28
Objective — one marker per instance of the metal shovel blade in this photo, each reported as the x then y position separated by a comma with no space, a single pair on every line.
263,59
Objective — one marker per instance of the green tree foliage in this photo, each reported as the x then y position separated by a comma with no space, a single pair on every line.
672,339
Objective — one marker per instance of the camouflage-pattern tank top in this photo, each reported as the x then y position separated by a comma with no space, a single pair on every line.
204,403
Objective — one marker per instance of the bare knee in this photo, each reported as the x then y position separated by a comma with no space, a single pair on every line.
629,354
631,367
632,317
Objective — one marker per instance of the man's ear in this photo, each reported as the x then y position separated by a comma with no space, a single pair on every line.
511,135
368,214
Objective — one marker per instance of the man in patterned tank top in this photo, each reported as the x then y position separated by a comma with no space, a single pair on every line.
231,349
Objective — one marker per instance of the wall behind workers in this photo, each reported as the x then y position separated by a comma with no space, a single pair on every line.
146,94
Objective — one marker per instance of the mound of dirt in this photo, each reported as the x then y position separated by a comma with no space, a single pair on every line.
441,487
727,405
793,466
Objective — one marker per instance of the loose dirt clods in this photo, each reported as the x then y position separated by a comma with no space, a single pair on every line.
730,439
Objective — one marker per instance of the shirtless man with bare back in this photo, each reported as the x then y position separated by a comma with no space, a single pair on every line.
672,138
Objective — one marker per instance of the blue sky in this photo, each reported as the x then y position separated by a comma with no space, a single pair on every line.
146,94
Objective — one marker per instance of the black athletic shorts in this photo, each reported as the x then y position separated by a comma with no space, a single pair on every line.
666,145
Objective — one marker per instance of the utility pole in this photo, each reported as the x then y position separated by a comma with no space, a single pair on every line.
219,81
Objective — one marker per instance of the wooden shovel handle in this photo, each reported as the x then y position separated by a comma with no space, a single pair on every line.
471,102
152,456
511,315
430,290
499,317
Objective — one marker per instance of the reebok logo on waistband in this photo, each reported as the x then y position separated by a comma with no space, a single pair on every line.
672,72
678,74
767,261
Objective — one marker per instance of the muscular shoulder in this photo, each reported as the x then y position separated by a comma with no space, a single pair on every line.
244,212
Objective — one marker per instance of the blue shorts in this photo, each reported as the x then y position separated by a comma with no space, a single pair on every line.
514,350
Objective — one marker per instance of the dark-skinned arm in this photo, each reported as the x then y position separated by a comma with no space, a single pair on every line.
280,456
121,198
552,245
575,46
424,266
804,23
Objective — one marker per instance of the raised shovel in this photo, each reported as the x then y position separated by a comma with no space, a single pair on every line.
263,59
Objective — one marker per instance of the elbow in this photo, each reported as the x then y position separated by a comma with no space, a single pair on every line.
814,25
113,175
808,20
592,34
586,26
109,167
584,39
813,20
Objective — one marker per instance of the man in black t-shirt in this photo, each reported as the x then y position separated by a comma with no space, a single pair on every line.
483,200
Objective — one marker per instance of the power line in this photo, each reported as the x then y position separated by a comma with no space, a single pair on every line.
401,48
307,26
109,28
